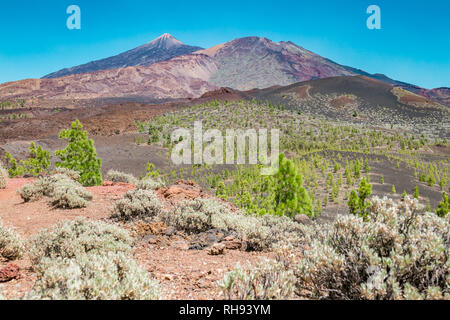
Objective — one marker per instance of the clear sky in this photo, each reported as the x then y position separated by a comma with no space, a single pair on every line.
413,44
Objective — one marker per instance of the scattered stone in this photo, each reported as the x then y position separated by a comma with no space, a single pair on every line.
151,239
216,249
168,277
181,245
9,272
170,231
232,243
302,218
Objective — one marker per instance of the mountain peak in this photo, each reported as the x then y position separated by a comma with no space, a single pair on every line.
165,41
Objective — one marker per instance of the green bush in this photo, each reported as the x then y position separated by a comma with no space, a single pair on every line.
444,206
105,276
11,246
38,162
118,176
80,155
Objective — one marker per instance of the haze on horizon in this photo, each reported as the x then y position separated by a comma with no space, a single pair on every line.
412,45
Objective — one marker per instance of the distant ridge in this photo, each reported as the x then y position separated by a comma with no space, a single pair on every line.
163,48
165,68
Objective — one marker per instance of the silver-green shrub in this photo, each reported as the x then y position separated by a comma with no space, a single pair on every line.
268,280
149,184
69,239
70,194
135,204
260,232
94,276
118,176
400,252
11,246
3,176
64,191
72,174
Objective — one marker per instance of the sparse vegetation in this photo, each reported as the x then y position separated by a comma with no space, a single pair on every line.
38,162
63,191
11,246
137,203
357,259
268,280
70,239
80,155
3,176
81,260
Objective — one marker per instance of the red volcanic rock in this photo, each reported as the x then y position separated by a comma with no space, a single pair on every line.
9,272
187,190
182,190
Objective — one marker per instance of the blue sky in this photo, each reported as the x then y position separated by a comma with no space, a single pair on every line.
412,46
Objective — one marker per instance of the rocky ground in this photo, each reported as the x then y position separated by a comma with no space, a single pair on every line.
188,267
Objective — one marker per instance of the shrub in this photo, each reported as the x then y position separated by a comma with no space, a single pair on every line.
135,204
291,197
416,192
260,232
117,176
38,162
400,252
268,280
65,192
80,155
357,202
72,174
69,194
70,239
3,176
149,184
106,276
11,246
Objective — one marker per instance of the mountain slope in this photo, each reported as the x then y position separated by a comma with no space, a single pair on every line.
163,48
241,64
182,77
254,62
361,99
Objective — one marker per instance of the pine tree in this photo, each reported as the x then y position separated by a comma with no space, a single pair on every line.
291,197
416,192
353,203
80,155
444,206
357,203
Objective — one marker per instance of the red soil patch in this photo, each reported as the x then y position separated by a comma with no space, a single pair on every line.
341,101
303,92
412,98
191,274
28,218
